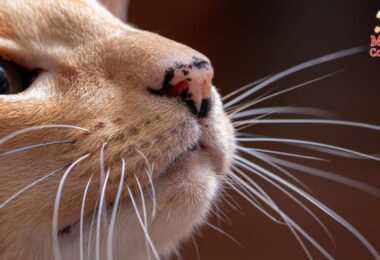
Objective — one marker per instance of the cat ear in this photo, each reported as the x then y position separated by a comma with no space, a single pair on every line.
119,8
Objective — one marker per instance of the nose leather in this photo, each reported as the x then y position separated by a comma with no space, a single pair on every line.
191,82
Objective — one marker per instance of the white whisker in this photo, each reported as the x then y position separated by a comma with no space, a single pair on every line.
297,201
26,148
274,207
332,152
56,249
282,110
224,233
277,167
309,121
255,102
149,172
92,226
144,214
292,225
266,151
28,187
227,198
299,67
114,213
326,175
81,238
250,85
197,253
102,178
305,142
100,211
33,128
257,206
142,225
220,215
321,206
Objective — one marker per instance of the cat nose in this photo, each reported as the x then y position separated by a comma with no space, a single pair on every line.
190,82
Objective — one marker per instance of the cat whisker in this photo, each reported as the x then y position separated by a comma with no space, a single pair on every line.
309,147
33,128
196,248
101,210
81,238
309,82
221,231
278,211
149,173
56,248
112,224
297,68
142,225
18,193
319,205
326,175
280,169
241,163
234,108
26,148
250,85
92,226
248,193
257,206
294,227
102,179
230,201
309,143
145,218
309,121
332,152
282,110
220,215
177,253
295,155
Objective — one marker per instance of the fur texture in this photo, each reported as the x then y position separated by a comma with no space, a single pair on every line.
95,74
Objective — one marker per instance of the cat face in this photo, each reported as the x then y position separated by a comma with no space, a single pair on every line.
112,112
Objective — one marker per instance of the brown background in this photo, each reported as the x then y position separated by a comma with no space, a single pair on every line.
247,40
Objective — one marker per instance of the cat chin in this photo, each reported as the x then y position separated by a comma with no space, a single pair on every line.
184,197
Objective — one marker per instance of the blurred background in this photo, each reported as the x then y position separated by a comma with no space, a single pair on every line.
247,40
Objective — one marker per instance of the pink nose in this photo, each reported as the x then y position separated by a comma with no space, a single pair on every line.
190,82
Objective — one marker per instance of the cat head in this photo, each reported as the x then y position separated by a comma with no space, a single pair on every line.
100,111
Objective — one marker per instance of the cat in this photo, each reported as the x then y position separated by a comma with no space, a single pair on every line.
114,142
120,100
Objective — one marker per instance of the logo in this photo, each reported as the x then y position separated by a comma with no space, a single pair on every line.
377,28
375,41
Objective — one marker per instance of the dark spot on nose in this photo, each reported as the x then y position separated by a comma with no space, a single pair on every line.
165,86
199,63
190,90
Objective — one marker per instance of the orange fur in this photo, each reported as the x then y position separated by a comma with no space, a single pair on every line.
96,71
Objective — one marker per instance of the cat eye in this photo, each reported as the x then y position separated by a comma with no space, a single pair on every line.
14,78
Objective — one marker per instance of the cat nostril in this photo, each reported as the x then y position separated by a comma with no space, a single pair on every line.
191,83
